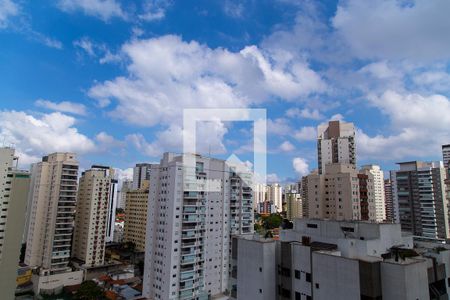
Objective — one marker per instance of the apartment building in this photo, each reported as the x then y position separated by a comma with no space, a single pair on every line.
259,195
94,210
136,216
341,193
141,174
336,144
376,176
389,201
324,259
127,185
14,187
193,211
294,204
275,196
446,155
419,198
53,191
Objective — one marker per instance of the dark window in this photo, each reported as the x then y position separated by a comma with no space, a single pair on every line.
297,274
286,272
286,293
317,285
297,296
260,269
309,225
349,229
260,291
308,277
308,298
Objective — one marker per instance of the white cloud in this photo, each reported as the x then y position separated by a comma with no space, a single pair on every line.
306,113
103,9
86,44
307,133
393,29
300,166
36,136
64,106
438,81
8,9
232,8
154,10
279,126
419,125
287,146
123,174
272,178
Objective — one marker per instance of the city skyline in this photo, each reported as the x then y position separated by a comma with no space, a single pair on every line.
111,80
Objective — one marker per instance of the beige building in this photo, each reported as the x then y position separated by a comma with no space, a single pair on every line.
136,216
93,205
293,205
340,193
275,195
51,213
376,174
14,186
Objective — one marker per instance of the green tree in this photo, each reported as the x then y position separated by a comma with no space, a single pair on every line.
272,221
89,290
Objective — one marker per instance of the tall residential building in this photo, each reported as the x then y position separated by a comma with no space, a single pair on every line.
192,213
389,201
294,204
141,172
53,199
275,195
378,190
418,191
259,195
339,260
122,194
341,193
94,206
136,216
14,187
336,144
446,155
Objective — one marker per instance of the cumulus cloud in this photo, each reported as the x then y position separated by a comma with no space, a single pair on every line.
307,133
394,29
306,113
64,106
287,146
34,136
300,166
8,9
103,9
154,10
419,126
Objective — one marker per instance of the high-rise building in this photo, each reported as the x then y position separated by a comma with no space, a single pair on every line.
377,180
388,200
122,195
341,193
446,155
336,144
53,199
136,216
192,213
294,208
141,172
95,207
275,195
259,195
419,197
14,187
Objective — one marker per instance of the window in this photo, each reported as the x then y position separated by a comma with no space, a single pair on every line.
260,291
310,225
297,274
260,269
297,296
308,277
317,285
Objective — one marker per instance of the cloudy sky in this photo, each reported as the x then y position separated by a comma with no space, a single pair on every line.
108,79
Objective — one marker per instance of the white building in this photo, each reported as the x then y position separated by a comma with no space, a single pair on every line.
377,177
14,187
95,214
336,144
127,185
323,259
192,213
275,195
259,194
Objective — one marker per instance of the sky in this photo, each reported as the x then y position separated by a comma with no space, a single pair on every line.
109,79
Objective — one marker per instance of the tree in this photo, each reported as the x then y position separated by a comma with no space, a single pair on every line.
89,290
272,221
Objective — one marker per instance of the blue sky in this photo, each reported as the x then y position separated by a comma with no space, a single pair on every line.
108,79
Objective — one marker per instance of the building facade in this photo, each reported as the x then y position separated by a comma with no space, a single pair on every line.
94,208
192,213
14,187
377,176
336,144
294,204
275,196
446,155
389,201
141,173
419,197
259,195
53,200
136,216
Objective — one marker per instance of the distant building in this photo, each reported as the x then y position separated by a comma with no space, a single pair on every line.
336,144
127,185
389,202
294,205
324,259
14,187
266,207
376,178
259,195
446,155
136,216
141,173
275,195
94,210
419,198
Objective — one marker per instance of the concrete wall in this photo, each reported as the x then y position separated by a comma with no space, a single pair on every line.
54,283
